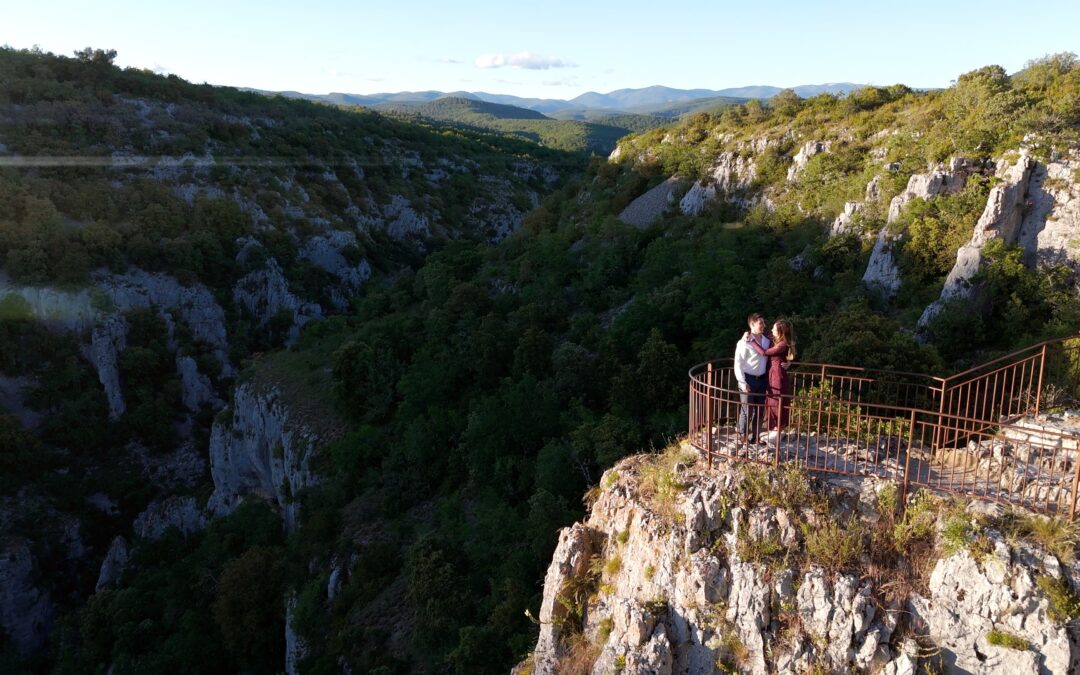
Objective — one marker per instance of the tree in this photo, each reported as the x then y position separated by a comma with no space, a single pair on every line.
786,104
249,608
96,56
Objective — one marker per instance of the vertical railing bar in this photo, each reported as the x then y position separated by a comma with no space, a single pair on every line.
1038,391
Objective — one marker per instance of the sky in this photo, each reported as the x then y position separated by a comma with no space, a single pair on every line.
548,49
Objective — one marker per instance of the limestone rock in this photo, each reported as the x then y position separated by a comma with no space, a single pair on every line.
681,599
265,294
113,565
845,222
260,450
195,388
731,176
26,612
882,271
650,206
573,554
802,157
108,340
403,221
326,252
968,599
1000,219
174,511
295,646
194,305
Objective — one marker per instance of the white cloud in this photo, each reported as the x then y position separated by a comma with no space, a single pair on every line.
526,60
565,82
447,60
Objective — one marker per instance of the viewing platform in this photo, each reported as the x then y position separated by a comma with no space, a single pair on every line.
1001,431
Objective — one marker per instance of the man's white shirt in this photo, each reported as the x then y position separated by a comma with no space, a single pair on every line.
748,361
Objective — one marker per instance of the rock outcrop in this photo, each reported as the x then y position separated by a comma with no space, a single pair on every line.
881,270
678,588
182,513
113,565
97,312
1036,206
265,294
803,156
732,175
260,449
1000,219
328,252
26,612
649,207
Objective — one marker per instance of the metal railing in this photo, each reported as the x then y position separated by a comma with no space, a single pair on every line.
971,433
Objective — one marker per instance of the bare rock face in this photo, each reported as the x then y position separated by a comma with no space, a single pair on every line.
113,565
1050,233
403,221
97,312
295,646
195,388
803,156
107,341
265,294
970,598
648,208
26,612
845,222
182,513
328,252
672,593
732,174
259,450
881,270
577,545
1000,219
194,305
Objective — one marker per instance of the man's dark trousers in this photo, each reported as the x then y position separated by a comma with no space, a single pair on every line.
752,406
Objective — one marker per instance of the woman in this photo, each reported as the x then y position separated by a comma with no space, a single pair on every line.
778,390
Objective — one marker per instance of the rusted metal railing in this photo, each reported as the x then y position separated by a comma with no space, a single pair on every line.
972,433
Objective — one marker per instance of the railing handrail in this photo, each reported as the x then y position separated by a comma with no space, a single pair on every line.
812,364
1013,355
850,413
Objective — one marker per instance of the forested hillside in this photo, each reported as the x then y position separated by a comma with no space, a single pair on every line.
384,493
593,136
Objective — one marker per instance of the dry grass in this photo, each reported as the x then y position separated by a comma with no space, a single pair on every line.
579,658
659,484
1057,535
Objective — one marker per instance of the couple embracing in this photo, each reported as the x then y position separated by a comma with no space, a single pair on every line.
761,363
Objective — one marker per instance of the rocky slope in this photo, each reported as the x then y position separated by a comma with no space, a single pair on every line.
682,569
1033,202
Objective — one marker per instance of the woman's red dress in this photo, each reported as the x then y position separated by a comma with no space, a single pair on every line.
778,390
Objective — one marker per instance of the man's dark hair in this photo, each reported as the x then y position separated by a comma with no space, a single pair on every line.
754,317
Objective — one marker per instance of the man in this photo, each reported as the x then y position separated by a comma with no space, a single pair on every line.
750,373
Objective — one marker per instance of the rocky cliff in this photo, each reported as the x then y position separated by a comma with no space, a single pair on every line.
683,569
260,448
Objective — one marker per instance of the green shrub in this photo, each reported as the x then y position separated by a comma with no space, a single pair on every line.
1064,603
1000,638
833,546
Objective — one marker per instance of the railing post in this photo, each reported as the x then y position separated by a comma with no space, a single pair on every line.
1075,485
939,432
709,411
907,463
1038,391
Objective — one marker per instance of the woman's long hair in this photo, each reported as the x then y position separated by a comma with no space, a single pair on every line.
785,334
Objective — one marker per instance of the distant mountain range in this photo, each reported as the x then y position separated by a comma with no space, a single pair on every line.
648,100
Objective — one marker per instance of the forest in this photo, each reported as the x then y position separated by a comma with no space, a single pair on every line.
481,388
